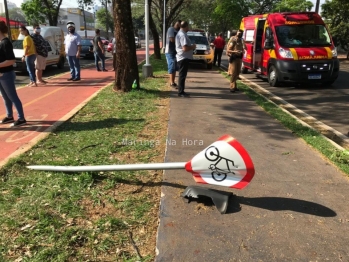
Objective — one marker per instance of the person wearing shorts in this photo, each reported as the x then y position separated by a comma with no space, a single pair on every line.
41,54
170,52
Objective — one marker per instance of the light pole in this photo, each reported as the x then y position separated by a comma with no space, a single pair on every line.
147,69
317,6
7,20
164,30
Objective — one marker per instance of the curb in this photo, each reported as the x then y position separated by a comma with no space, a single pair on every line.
336,138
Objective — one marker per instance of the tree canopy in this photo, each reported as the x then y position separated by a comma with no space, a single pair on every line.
336,14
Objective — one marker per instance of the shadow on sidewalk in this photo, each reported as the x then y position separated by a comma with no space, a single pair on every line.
280,204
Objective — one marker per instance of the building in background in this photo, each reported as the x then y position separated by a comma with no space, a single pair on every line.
75,15
10,5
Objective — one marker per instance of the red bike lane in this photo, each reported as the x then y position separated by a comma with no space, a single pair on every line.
47,106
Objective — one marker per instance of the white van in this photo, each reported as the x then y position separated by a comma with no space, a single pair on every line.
56,53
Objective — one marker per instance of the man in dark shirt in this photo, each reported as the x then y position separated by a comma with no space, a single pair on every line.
98,49
219,45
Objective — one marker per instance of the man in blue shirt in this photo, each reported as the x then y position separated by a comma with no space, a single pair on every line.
170,51
184,50
72,43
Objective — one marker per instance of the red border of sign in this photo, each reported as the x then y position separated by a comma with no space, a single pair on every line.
245,157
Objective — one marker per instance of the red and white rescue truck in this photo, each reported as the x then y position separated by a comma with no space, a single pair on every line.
290,47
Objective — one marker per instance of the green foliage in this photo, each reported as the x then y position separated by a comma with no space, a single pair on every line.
293,6
336,14
34,11
102,17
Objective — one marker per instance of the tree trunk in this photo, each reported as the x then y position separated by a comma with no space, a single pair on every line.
154,31
126,70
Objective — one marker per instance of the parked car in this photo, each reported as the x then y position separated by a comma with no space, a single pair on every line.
203,53
86,48
105,42
138,42
110,46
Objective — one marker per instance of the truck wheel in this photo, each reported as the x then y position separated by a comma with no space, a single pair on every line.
244,70
273,76
61,62
209,66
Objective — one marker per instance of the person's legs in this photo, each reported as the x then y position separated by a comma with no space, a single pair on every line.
40,65
76,63
9,94
96,61
183,71
219,56
236,68
171,67
71,66
215,56
102,58
30,61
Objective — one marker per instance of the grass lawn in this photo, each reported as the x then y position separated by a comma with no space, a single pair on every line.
95,216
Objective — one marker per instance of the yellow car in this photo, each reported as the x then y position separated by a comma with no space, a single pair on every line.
203,53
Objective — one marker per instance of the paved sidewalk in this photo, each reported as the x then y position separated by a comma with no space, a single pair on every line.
293,210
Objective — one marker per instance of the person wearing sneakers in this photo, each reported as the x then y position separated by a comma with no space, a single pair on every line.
98,50
41,53
29,55
184,49
7,80
170,51
72,43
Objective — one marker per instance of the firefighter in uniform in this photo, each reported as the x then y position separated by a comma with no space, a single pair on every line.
236,51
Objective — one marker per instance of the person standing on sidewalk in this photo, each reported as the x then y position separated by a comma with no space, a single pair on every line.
98,50
41,53
170,51
72,43
219,44
29,55
236,51
7,80
233,33
184,50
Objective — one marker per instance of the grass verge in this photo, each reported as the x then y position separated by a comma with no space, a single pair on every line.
95,216
340,158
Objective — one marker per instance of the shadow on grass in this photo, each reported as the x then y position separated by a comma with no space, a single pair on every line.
42,126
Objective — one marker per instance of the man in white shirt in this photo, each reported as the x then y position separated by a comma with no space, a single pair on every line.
184,50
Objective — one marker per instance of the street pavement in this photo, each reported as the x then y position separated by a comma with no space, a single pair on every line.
294,208
326,104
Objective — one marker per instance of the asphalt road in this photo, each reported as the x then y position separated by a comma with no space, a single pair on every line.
327,104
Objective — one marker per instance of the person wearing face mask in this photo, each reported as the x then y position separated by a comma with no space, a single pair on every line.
72,43
29,55
41,53
235,52
184,49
